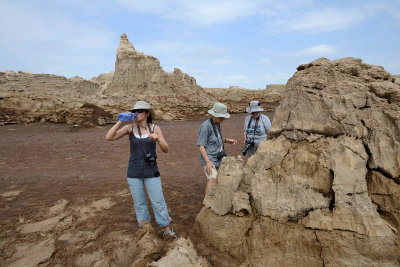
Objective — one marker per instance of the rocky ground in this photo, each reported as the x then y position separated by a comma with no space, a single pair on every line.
323,190
64,197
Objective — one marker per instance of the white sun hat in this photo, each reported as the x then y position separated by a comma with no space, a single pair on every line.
254,106
219,110
144,105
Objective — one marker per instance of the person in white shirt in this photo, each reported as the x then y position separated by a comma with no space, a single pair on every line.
256,127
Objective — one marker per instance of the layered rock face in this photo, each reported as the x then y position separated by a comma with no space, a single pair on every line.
324,190
26,97
237,98
137,76
397,78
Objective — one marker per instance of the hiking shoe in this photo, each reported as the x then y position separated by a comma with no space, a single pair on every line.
170,233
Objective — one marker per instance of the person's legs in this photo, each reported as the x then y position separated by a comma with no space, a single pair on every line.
209,184
154,189
210,179
139,200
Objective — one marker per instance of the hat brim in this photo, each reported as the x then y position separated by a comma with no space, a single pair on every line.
153,114
251,110
219,115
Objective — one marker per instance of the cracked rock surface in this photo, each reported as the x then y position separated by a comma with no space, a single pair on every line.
324,188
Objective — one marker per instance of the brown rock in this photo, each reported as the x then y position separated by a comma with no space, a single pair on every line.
324,189
27,97
182,254
385,193
237,98
220,199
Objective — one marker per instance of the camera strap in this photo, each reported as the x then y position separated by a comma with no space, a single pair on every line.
140,134
148,127
216,134
262,121
255,125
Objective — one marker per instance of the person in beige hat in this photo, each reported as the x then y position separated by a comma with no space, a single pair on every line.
142,168
210,143
256,127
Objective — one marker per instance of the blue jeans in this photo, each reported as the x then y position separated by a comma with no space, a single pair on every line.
154,189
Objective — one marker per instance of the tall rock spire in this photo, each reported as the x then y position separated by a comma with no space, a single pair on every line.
125,48
137,73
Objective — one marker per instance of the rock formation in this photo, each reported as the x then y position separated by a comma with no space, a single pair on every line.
237,98
26,97
86,241
137,76
397,78
324,190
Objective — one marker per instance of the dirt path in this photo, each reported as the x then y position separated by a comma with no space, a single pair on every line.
45,165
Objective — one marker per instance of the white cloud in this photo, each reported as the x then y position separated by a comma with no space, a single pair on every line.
314,51
328,18
235,77
31,24
264,61
223,80
186,53
42,40
325,20
220,61
396,15
157,47
392,65
204,12
276,78
290,15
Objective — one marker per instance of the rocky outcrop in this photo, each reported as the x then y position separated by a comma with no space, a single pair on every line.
237,98
78,233
397,78
137,76
181,254
323,191
27,97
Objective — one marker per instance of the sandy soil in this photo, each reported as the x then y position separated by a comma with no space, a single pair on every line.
46,168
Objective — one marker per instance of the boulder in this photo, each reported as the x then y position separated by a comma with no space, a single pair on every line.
323,191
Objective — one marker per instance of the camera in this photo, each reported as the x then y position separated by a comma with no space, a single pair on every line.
150,158
249,144
221,154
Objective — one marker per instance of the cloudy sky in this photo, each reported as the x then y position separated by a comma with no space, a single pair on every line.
248,43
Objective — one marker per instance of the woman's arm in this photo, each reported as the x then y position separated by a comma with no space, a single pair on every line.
209,164
159,138
230,141
115,133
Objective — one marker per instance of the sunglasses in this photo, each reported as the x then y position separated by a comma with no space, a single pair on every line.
139,110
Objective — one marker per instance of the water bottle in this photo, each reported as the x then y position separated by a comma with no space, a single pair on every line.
125,116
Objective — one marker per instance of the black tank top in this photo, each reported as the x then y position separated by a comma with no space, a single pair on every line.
138,167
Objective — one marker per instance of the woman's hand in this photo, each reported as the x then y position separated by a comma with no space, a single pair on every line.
159,138
209,167
231,141
154,136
